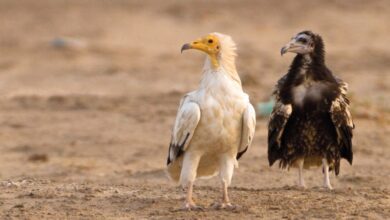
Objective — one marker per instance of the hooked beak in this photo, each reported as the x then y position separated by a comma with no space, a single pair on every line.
185,47
283,50
294,47
290,47
197,44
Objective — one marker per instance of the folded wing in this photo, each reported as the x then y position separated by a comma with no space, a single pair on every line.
248,130
278,119
342,120
186,122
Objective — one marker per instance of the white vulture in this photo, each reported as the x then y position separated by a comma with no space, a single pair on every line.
215,124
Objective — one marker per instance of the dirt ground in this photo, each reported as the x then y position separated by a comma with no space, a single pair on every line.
89,92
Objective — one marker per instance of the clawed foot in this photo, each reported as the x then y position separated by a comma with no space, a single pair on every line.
190,206
224,205
328,186
301,186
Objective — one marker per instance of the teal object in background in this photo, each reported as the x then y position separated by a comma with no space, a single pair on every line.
264,109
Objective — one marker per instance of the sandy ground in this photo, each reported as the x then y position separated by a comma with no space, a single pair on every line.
84,128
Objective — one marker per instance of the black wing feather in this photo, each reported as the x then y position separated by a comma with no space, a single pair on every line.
279,117
178,149
343,123
239,154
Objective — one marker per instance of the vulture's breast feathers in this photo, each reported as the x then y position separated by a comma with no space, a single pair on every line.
312,94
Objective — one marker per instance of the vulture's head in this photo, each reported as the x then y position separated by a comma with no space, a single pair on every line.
305,42
219,47
209,44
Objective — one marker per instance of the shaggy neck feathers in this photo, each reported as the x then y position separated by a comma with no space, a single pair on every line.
226,59
311,65
307,69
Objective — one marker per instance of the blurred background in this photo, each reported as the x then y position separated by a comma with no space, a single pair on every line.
89,91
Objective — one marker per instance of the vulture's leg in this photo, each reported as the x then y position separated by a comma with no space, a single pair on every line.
325,168
226,174
189,203
301,181
187,178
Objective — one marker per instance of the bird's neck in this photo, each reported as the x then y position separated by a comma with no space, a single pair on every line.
309,66
224,65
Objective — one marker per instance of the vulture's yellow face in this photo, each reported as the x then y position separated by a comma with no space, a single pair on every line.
209,44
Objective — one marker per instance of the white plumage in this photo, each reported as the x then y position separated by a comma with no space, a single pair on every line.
215,124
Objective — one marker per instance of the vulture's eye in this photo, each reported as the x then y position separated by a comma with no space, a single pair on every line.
302,40
210,41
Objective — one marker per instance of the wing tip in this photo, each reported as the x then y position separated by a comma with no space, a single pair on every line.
239,154
168,161
271,161
350,159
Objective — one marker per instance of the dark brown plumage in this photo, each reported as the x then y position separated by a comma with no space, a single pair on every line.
311,118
